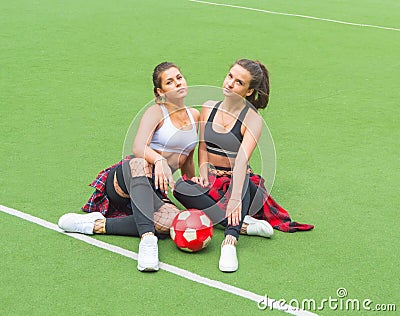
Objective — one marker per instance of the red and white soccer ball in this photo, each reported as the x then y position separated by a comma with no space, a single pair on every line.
191,230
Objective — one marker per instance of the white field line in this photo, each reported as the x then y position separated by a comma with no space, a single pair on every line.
167,267
296,15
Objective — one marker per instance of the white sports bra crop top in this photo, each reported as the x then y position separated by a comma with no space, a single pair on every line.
171,139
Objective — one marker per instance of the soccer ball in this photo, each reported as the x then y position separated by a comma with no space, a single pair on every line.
191,230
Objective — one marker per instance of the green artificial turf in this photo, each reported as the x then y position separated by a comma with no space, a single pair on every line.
74,76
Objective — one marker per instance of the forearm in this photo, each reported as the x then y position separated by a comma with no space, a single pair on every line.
149,154
238,177
249,143
203,160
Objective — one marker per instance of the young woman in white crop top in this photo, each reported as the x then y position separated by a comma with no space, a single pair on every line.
130,197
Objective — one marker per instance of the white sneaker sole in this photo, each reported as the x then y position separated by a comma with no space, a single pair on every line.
147,269
228,269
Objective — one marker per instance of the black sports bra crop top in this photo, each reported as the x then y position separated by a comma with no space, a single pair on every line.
224,144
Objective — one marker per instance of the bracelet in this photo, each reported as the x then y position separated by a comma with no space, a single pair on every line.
159,159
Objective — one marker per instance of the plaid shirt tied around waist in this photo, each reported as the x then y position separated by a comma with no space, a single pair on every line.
270,211
98,201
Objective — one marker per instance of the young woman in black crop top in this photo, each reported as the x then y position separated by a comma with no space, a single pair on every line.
227,189
229,132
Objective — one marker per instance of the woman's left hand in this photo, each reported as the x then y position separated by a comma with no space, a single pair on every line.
234,211
163,176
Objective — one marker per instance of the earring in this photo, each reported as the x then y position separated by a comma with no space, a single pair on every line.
160,99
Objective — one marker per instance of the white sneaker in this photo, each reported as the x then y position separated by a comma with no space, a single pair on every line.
79,223
258,227
228,260
148,254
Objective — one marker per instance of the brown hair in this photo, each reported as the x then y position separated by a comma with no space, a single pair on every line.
259,82
158,70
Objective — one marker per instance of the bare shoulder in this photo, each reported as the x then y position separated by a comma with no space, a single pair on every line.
210,103
195,113
253,119
153,110
208,106
153,115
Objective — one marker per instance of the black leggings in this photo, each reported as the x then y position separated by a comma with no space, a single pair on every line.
117,201
143,202
123,226
192,195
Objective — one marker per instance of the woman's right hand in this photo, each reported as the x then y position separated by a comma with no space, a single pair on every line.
163,175
203,178
234,211
201,181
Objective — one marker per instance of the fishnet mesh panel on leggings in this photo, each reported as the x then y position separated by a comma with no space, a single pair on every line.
140,167
164,216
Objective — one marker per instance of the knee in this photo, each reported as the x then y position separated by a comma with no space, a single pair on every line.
182,188
187,189
179,183
163,218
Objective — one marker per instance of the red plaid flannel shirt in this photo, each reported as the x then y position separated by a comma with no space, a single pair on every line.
98,202
271,211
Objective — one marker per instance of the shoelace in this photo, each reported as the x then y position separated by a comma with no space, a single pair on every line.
149,249
83,222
